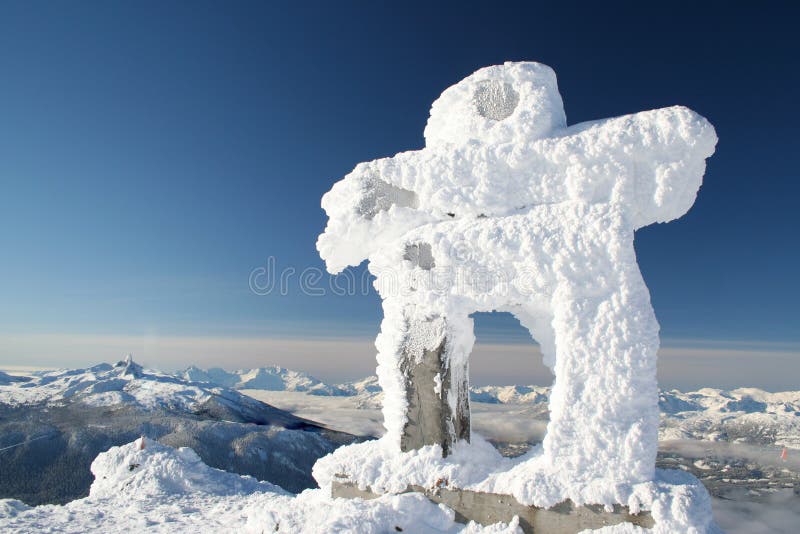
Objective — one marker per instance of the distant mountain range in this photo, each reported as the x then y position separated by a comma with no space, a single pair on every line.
746,415
53,424
275,378
266,378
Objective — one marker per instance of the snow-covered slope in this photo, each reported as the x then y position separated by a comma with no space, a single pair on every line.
266,378
744,415
365,386
161,489
127,383
53,426
6,379
509,394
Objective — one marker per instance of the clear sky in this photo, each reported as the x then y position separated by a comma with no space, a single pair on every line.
154,154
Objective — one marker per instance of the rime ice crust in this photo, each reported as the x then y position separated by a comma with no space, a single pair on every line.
518,212
650,164
476,108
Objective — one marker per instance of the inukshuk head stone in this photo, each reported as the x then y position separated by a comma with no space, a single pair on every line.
509,209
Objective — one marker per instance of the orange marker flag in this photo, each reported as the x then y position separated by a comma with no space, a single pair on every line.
784,454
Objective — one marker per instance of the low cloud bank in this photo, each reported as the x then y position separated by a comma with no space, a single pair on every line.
685,365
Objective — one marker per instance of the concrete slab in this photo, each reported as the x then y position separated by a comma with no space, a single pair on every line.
489,508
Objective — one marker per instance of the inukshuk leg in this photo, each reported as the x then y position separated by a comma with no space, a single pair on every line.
604,411
436,385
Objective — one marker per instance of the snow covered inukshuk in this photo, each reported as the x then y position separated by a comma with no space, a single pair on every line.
508,209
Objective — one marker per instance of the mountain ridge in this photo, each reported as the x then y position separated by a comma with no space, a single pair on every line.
746,414
53,425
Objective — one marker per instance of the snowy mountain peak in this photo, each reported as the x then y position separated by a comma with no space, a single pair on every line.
129,384
129,367
272,378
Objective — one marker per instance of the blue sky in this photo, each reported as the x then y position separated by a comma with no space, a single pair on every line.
152,155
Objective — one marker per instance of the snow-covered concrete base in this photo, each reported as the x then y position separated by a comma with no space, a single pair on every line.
489,508
677,501
161,489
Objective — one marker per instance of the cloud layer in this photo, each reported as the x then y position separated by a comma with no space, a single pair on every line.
685,365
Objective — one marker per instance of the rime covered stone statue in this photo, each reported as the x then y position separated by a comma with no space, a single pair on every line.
509,209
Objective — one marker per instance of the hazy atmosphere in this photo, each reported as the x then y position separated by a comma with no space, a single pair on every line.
697,364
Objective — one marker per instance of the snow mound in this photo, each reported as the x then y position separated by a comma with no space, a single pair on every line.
12,507
154,469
